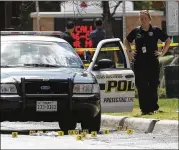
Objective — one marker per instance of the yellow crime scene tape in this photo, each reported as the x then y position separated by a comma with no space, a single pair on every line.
117,48
81,50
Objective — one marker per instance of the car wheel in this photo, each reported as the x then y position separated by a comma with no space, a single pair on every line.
66,124
92,123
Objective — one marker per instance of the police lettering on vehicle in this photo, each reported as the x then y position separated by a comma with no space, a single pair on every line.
109,76
118,99
121,85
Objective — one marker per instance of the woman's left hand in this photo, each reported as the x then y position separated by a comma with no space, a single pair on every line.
159,53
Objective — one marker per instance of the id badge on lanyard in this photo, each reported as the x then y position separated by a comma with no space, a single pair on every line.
144,50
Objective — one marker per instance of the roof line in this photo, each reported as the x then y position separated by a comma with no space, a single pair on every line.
89,14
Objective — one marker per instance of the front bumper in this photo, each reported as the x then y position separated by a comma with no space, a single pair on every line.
82,105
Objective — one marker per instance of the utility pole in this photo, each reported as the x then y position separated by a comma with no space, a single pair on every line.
8,13
124,19
38,17
2,15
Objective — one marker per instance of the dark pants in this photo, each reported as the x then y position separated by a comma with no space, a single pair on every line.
147,82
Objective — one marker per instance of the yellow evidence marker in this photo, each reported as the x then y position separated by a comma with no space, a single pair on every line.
31,132
83,134
93,134
129,131
86,131
14,134
106,132
119,128
60,133
75,132
70,132
79,137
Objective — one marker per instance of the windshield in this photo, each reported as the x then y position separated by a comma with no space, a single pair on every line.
27,52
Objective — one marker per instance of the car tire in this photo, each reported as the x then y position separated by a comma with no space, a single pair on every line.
66,124
92,123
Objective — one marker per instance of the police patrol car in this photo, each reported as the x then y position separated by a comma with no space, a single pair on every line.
56,86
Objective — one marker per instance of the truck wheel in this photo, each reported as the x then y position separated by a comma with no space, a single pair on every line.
67,124
92,123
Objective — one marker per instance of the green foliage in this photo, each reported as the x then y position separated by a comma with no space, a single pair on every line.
136,94
149,5
164,61
162,93
140,5
168,106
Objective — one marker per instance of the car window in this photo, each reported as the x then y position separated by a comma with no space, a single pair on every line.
67,46
112,51
19,53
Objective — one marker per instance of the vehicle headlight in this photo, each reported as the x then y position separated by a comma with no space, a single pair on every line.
8,88
86,88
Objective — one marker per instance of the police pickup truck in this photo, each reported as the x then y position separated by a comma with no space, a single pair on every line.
43,79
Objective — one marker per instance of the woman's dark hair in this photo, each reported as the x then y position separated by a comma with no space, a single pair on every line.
146,12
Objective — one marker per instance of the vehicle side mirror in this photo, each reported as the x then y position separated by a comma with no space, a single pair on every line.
104,64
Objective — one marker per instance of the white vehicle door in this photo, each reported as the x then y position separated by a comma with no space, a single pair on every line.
112,69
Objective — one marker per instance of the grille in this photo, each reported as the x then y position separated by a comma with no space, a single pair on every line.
46,87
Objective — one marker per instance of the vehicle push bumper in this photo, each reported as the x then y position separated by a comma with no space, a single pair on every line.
50,97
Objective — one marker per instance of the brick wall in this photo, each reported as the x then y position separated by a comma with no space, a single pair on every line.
46,24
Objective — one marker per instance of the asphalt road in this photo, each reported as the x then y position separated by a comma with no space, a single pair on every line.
114,140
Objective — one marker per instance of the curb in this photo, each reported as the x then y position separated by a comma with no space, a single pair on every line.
141,124
112,121
166,127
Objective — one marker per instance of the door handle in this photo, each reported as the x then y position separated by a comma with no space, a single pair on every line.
129,76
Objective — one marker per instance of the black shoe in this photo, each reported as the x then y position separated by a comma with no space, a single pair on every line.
158,111
144,113
147,113
151,113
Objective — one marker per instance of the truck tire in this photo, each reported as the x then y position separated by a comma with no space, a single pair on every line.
67,123
92,123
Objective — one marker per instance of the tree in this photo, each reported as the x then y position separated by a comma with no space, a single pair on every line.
26,7
107,17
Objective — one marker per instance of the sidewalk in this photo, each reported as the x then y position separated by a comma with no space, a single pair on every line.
169,127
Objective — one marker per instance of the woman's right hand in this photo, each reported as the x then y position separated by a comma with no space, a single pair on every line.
131,55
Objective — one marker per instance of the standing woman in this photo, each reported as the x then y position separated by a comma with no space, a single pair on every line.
146,63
